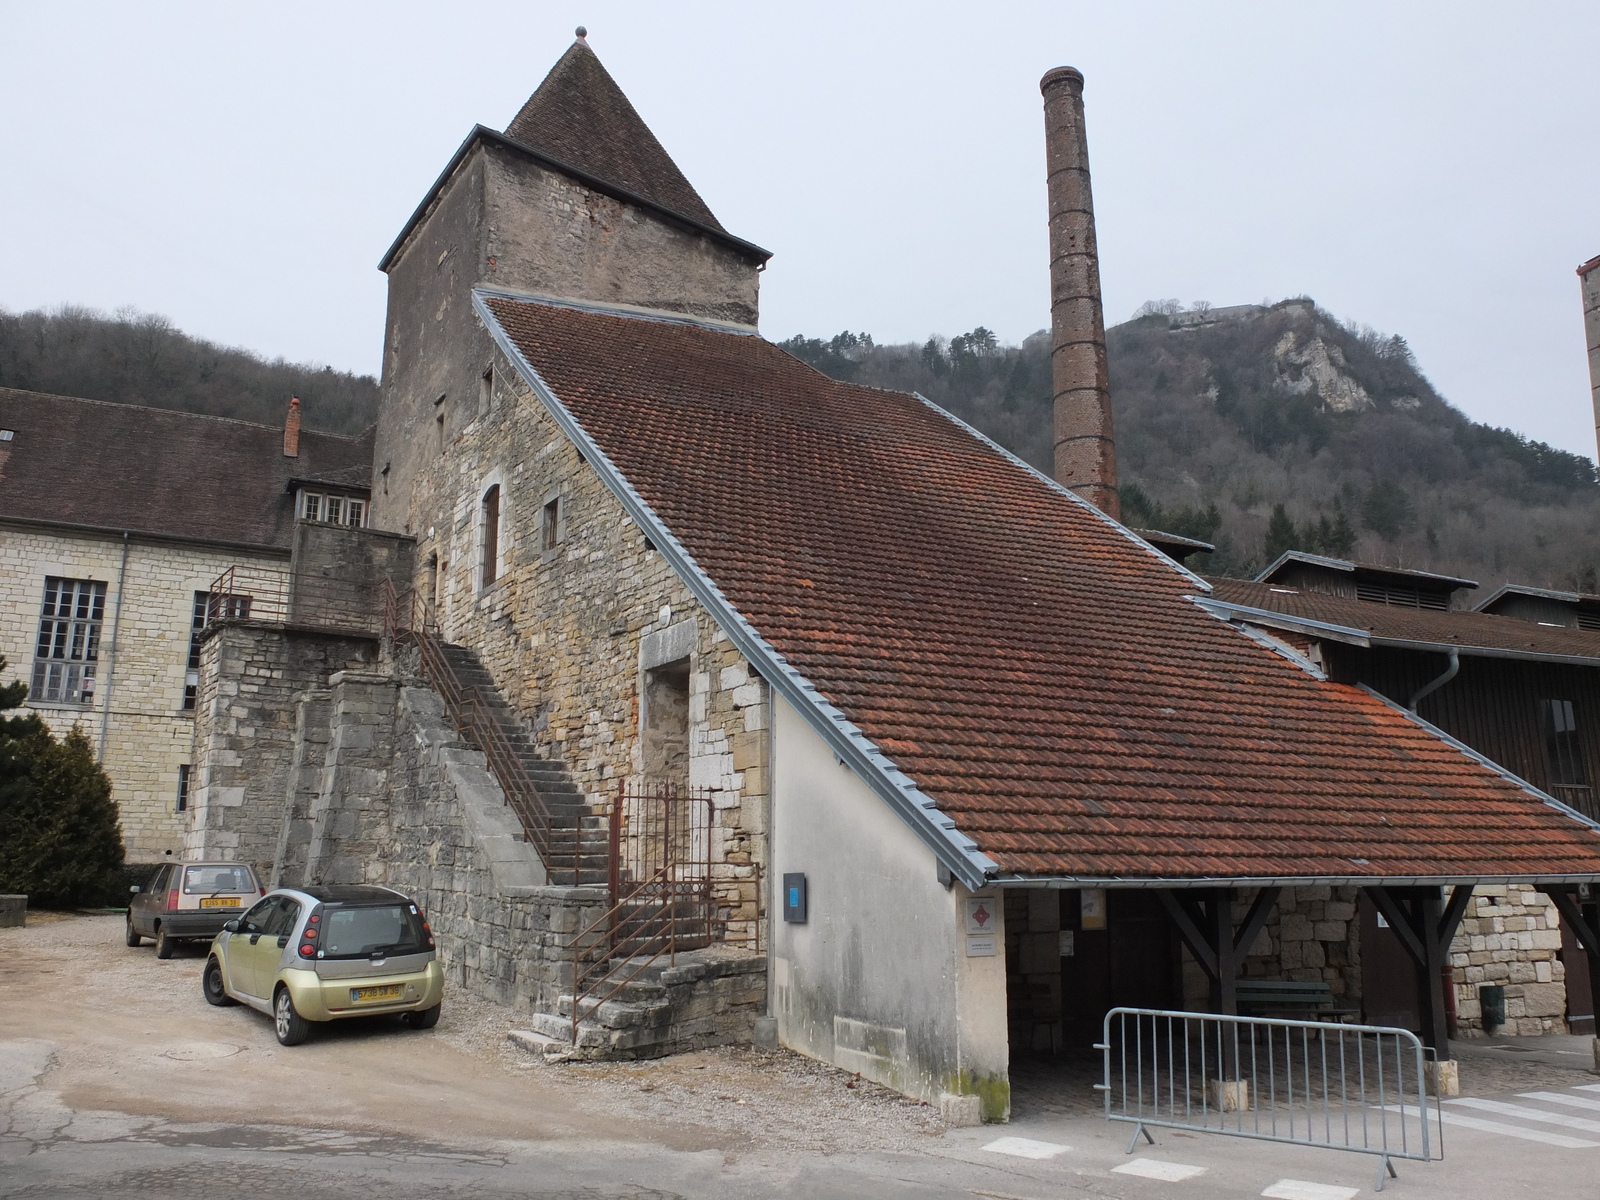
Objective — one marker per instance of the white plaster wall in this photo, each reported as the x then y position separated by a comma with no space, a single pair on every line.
877,980
148,733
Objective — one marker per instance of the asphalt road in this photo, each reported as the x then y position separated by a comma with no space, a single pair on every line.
117,1081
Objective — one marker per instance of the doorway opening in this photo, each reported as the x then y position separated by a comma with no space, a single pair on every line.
666,724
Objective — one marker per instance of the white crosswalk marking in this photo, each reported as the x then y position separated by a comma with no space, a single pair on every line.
1558,1098
1516,1131
1022,1147
1152,1168
1299,1189
1529,1114
1586,1087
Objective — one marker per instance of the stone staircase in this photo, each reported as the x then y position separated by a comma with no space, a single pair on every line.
539,789
708,997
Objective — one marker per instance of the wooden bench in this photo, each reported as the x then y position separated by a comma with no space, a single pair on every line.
1288,998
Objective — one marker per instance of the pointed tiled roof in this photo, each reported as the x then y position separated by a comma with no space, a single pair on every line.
579,116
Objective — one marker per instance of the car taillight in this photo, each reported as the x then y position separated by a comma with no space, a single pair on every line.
307,950
172,899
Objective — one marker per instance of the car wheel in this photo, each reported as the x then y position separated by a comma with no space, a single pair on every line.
133,937
427,1018
290,1026
211,985
164,944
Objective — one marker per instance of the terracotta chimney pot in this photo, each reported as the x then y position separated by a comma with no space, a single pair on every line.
291,429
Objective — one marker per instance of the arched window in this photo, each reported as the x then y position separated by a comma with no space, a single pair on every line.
491,535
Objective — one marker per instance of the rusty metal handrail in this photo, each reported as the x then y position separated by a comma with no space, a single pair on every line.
470,713
662,891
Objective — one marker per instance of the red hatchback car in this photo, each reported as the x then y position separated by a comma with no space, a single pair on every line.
190,902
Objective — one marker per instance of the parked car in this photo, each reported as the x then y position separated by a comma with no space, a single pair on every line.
312,954
186,902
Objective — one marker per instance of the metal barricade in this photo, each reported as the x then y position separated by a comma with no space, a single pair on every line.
1309,1083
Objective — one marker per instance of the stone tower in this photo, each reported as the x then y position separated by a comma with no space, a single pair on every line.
1085,452
576,199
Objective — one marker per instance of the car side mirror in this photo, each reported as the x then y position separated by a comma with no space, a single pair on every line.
135,890
231,926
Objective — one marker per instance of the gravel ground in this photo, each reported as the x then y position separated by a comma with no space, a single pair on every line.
763,1095
770,1097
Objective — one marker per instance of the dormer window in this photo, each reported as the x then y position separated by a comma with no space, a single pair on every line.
332,508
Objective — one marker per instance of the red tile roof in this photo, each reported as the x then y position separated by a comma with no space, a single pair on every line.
1034,669
1399,623
160,471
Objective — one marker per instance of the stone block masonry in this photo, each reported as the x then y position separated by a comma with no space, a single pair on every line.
1511,936
251,681
579,607
141,672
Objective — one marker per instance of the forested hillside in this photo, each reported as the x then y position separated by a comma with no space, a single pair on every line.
1270,428
139,358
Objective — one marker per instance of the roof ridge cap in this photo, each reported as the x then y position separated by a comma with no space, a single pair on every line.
1057,487
605,308
179,412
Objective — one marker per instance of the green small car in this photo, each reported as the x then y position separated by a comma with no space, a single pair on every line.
303,955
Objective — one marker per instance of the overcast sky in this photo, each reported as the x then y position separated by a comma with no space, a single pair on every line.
1429,169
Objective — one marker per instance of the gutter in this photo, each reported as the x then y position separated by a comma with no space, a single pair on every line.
958,852
1146,882
605,187
1229,610
147,535
111,658
1433,686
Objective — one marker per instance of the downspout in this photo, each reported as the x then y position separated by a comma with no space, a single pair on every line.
111,658
1429,688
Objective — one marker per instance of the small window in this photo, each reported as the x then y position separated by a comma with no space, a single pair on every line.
486,391
197,626
68,649
1563,753
335,510
183,787
551,525
7,434
491,535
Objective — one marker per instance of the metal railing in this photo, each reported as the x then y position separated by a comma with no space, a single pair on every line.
406,617
663,894
1345,1087
243,593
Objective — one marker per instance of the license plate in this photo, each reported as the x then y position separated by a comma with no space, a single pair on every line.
220,902
389,991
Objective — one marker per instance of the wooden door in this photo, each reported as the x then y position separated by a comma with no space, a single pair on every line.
1388,973
1580,990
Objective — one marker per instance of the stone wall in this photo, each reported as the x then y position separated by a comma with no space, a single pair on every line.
138,705
503,220
251,679
1511,936
568,633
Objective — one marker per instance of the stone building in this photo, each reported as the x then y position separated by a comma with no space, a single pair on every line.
973,761
114,522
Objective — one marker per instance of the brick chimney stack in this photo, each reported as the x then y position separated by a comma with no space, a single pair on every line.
291,429
1589,278
1086,456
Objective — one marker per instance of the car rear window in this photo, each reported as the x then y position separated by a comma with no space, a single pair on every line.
209,881
358,932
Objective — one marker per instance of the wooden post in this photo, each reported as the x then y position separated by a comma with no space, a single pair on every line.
1426,928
